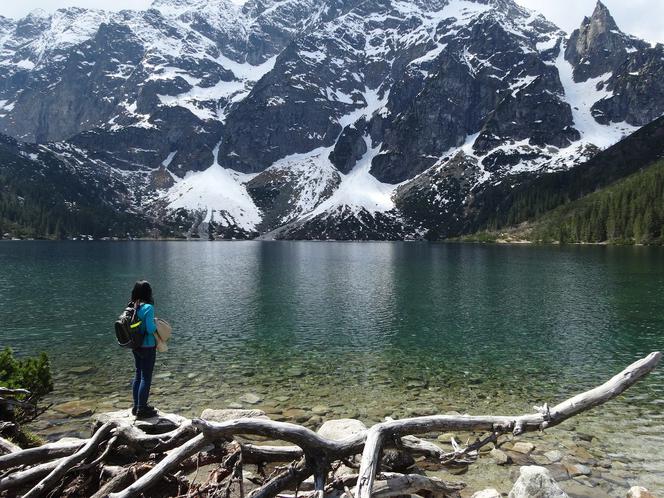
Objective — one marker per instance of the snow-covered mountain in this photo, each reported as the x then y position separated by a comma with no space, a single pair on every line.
368,119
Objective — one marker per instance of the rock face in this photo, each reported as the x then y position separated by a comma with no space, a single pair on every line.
536,482
341,119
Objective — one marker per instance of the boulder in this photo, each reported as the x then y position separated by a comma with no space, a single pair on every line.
231,414
536,482
487,493
341,429
639,492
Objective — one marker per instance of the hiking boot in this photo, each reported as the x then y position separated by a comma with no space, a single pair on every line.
146,412
133,410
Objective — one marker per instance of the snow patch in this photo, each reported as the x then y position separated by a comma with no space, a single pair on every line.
216,190
581,97
360,190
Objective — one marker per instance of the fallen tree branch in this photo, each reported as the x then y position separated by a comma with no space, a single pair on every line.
188,449
517,425
8,447
51,480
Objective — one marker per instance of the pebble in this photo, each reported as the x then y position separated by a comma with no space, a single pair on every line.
320,409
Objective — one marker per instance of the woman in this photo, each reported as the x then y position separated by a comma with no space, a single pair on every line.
145,356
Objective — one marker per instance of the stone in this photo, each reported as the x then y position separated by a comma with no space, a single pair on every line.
297,415
251,398
235,406
523,447
77,408
282,399
536,482
500,457
341,429
231,414
487,493
577,469
320,409
554,456
639,492
82,370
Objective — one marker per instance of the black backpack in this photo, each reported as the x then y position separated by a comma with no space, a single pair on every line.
128,328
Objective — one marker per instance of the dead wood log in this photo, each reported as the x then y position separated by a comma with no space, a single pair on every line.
188,449
8,447
518,424
399,485
31,456
51,480
23,478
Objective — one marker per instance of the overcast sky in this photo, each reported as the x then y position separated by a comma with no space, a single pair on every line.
643,18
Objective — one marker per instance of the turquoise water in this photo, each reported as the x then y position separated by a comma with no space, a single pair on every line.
366,329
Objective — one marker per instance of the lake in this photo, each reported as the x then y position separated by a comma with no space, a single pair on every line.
354,329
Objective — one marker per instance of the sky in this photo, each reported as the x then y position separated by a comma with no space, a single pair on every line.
642,18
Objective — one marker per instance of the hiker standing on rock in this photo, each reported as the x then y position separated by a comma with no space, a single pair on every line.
145,356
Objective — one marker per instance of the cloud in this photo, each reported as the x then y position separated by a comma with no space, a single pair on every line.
642,18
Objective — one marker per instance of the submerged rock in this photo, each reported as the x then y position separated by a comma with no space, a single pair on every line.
77,408
536,482
251,398
523,447
500,457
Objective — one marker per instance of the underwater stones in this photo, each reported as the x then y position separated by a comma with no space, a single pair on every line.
554,456
297,414
500,457
76,408
320,409
446,437
282,399
340,429
536,482
577,469
251,398
82,370
523,447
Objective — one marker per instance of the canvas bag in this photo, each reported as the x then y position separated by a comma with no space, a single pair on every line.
163,334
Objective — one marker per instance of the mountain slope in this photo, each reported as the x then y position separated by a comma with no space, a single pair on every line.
374,119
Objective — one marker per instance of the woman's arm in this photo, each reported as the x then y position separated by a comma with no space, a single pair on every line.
148,318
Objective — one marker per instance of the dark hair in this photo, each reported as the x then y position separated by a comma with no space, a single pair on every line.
142,292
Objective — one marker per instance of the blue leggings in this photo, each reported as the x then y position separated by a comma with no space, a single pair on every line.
144,359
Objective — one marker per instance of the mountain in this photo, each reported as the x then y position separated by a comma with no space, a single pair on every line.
538,207
344,119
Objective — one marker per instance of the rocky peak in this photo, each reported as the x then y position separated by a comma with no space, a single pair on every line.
598,46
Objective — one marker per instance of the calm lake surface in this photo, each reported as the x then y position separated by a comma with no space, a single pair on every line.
364,329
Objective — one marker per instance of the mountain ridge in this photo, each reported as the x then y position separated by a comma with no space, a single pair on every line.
295,115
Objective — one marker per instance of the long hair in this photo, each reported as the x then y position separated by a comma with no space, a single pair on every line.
142,292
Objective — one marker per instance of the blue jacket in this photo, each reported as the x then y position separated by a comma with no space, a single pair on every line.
146,315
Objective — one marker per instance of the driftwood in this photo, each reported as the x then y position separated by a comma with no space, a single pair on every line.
161,457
